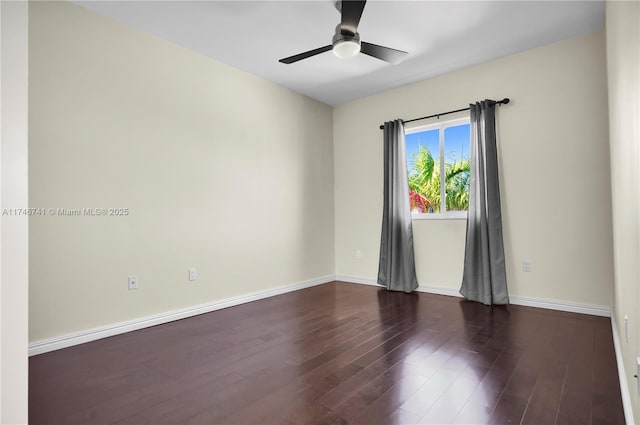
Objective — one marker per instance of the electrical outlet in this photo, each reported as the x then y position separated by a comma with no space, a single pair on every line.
193,274
358,254
526,266
133,282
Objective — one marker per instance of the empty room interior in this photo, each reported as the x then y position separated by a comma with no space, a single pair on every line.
237,212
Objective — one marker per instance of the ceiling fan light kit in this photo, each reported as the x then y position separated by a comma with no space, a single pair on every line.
346,46
346,41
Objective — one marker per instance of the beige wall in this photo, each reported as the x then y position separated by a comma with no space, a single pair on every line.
220,170
623,60
554,173
235,175
13,228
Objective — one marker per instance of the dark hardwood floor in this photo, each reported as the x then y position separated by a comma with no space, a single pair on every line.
335,354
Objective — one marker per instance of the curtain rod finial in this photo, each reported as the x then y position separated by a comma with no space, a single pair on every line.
505,100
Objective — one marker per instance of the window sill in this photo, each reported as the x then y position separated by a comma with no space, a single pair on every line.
458,215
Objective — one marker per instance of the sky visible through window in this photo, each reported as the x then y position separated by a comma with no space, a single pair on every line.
456,144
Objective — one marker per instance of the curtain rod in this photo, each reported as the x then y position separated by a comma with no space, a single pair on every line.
498,102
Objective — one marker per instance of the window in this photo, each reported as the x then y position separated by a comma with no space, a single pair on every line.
438,167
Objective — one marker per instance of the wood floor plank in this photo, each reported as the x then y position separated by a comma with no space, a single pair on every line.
454,398
340,354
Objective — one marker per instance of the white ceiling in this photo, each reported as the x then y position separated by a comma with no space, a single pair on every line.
440,36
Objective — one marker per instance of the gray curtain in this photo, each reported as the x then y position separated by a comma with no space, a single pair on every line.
396,269
484,278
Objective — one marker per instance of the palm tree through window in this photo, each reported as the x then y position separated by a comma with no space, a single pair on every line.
438,167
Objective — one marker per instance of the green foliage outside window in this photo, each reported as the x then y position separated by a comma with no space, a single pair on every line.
424,183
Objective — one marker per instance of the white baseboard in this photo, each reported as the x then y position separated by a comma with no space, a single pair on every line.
360,280
594,310
591,309
69,340
64,341
622,374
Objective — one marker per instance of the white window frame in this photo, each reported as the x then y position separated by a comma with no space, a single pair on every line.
441,126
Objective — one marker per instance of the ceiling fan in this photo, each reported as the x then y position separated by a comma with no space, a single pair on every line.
346,40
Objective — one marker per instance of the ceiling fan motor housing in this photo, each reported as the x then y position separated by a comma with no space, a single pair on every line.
340,37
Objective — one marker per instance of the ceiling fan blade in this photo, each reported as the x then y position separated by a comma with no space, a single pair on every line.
305,55
351,14
386,54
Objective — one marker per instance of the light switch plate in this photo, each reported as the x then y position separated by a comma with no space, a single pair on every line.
638,374
626,328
